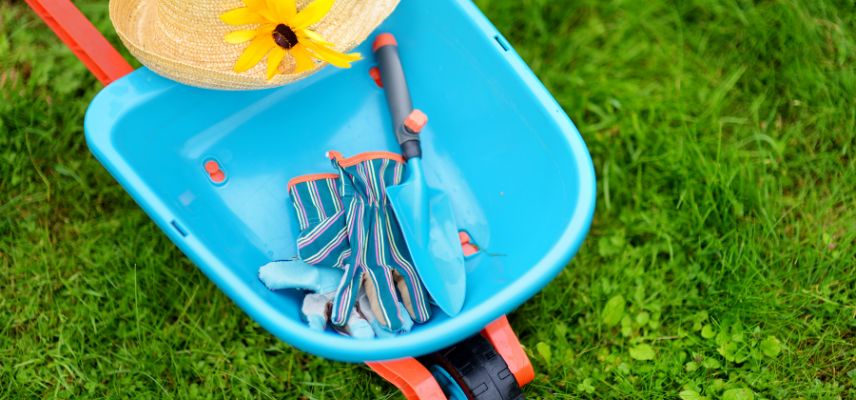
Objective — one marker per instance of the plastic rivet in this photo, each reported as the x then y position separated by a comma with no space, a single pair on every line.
215,174
218,177
211,166
374,72
415,121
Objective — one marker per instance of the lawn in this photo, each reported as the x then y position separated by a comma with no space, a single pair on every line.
720,263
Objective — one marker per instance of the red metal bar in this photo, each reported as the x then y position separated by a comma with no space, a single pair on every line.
409,376
82,38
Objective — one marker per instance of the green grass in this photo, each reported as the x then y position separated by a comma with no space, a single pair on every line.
724,242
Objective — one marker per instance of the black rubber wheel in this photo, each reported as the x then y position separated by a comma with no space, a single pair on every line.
478,369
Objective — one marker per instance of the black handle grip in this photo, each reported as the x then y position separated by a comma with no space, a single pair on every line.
397,93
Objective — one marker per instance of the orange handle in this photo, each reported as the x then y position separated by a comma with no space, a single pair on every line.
82,38
409,376
504,340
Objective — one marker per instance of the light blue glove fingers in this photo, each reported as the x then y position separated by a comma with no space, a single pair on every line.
296,274
358,327
365,308
406,322
314,309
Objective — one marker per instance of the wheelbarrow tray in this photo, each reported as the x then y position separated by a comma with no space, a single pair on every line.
515,167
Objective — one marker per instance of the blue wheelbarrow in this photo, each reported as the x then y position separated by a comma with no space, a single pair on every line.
211,167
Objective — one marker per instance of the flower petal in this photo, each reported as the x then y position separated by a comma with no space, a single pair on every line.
240,36
255,5
241,16
315,37
267,28
312,13
268,14
302,59
283,10
274,58
334,57
254,53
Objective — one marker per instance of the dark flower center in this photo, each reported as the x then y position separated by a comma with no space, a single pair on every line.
284,36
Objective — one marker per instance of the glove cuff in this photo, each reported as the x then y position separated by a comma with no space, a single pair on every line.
367,156
368,174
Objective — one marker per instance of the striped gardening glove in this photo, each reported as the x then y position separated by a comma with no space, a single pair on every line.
323,239
379,260
322,248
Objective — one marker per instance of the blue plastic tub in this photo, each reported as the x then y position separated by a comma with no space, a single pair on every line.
514,165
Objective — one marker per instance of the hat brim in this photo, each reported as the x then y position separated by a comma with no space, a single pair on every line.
183,40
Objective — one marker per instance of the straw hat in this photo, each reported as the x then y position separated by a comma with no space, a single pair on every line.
186,40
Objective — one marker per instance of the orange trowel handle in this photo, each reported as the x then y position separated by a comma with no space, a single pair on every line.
82,38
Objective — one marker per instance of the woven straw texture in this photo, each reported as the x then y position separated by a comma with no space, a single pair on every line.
183,39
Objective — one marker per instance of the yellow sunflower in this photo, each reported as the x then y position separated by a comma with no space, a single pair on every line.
283,31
